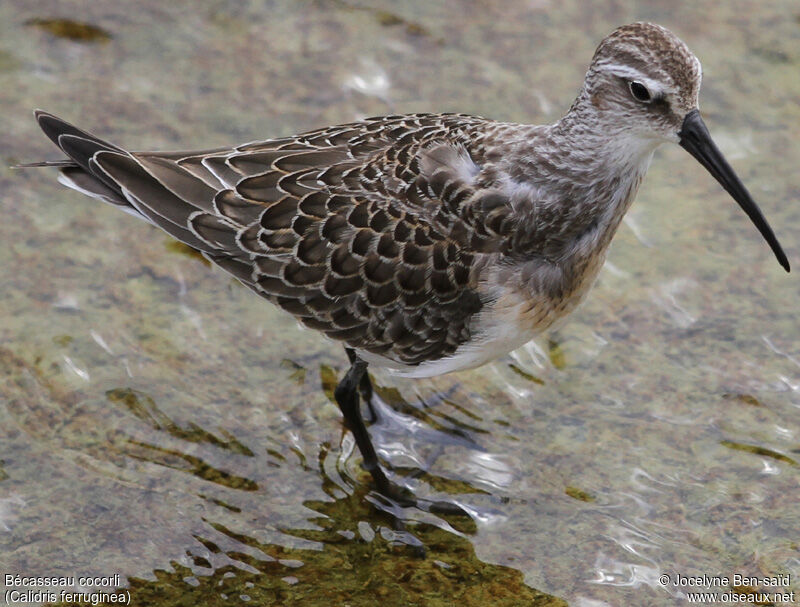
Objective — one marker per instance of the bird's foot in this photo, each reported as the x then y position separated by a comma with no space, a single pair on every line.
404,498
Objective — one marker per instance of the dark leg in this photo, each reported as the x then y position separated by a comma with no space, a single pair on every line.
364,387
346,394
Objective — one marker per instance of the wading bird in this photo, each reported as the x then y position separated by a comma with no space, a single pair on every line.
426,243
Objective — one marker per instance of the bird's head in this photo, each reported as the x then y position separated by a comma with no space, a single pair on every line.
644,80
642,89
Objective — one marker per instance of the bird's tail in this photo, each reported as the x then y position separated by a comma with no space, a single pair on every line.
154,187
79,170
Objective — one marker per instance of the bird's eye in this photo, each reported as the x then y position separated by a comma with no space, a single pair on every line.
639,91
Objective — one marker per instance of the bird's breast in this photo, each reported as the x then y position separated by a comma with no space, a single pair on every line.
544,292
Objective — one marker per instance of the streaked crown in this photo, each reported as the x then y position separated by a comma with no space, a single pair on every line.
646,75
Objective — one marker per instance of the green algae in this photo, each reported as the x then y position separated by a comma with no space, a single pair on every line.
183,249
145,408
525,374
76,31
580,494
748,399
298,372
758,450
353,568
328,381
388,18
556,353
63,340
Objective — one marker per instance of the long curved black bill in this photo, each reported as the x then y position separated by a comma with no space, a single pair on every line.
696,140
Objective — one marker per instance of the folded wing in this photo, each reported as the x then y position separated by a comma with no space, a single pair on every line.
371,232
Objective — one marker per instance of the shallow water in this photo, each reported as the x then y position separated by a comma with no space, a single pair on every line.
159,422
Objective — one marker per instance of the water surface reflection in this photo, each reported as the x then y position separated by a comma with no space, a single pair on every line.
161,422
